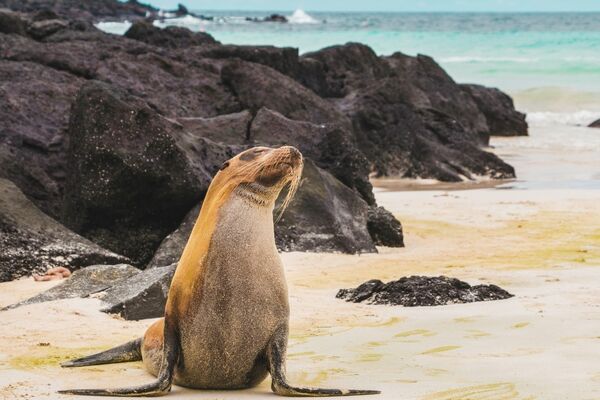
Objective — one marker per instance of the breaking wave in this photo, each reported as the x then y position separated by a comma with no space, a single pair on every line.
301,17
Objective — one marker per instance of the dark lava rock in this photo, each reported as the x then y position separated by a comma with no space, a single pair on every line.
140,149
257,86
131,180
325,215
595,124
172,246
269,18
384,228
34,109
499,110
348,67
432,88
230,129
41,29
125,290
324,129
92,10
83,283
409,117
282,59
39,82
11,22
416,291
141,296
170,37
32,242
404,141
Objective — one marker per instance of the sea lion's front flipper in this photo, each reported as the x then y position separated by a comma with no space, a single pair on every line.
161,386
276,357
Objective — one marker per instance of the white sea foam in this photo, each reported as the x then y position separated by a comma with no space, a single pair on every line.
166,14
187,21
116,28
301,17
548,118
480,59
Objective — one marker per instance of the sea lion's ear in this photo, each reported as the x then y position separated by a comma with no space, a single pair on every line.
225,165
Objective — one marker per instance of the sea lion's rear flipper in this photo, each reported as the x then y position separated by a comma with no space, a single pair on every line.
161,386
276,357
129,351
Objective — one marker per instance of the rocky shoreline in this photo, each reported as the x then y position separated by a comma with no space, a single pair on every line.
117,137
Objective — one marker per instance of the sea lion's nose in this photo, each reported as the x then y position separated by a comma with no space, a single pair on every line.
294,154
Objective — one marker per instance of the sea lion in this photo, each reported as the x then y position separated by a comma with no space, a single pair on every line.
227,313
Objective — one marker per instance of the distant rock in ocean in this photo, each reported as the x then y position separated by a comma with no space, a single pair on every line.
414,291
269,18
595,124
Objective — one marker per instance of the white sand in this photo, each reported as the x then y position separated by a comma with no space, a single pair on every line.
541,245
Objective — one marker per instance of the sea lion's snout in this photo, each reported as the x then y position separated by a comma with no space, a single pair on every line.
264,172
278,166
294,155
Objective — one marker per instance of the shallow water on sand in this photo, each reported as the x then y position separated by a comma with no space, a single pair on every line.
553,157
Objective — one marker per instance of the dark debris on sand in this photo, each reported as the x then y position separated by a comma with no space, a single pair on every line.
416,291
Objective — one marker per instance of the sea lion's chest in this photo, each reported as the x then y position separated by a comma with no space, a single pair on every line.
242,299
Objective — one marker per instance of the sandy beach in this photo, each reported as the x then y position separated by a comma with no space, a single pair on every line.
541,244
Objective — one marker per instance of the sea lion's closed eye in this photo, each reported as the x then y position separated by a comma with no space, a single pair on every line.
225,165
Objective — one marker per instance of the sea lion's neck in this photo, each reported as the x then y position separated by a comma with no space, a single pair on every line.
255,194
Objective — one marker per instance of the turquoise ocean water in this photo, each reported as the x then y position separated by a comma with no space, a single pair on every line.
548,62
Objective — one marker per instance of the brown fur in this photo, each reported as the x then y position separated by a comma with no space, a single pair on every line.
189,274
189,282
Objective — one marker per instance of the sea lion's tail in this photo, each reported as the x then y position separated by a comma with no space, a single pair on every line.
130,351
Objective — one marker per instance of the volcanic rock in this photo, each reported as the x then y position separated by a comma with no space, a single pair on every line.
499,110
83,283
174,105
170,37
124,290
44,28
230,129
325,215
11,22
32,242
140,296
409,117
282,59
269,18
416,291
172,246
384,228
130,179
92,10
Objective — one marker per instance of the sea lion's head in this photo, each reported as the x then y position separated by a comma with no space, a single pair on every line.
260,173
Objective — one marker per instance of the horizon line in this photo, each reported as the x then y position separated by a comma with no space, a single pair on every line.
397,11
